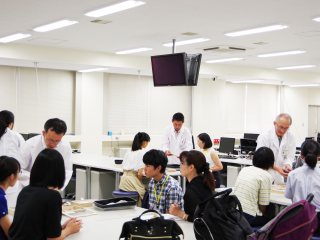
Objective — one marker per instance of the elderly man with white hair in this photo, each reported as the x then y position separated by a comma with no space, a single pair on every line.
281,141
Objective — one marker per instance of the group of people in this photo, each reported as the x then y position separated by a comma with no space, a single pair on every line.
31,173
42,165
272,164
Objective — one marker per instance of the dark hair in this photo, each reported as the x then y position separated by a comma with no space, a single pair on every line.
205,138
139,138
3,128
156,158
48,169
8,166
198,160
310,150
7,117
263,158
178,117
55,124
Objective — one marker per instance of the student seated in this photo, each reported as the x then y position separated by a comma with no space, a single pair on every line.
306,179
38,211
205,144
163,189
200,186
9,172
133,165
253,188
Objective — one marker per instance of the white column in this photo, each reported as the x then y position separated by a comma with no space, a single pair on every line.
89,111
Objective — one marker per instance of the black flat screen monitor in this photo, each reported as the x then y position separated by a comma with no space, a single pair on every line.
177,69
251,136
247,145
309,138
25,136
226,145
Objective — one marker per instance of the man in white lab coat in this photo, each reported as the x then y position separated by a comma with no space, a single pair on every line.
51,137
282,143
177,138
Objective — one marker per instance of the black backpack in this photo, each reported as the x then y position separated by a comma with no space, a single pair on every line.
220,218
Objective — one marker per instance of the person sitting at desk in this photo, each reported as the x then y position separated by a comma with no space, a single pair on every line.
9,172
38,211
133,165
306,179
200,186
163,189
205,144
253,188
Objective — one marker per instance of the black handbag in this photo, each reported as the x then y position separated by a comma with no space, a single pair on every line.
154,228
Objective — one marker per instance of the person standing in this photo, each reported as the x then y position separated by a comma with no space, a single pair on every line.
51,137
177,139
282,143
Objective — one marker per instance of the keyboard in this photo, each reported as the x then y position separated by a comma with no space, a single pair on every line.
228,156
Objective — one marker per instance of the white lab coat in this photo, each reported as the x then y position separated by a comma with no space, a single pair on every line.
33,147
176,143
9,146
283,154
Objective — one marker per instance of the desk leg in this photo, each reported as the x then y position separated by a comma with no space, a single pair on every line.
117,181
88,185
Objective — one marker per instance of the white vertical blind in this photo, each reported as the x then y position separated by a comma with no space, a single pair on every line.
32,106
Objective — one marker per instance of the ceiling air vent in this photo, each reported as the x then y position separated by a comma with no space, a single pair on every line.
224,49
101,21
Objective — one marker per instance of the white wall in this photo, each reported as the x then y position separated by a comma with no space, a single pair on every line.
34,99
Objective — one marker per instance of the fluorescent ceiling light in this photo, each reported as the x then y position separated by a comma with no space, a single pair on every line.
133,50
185,42
92,70
304,85
224,60
277,54
256,30
247,81
316,19
14,37
114,8
54,25
296,67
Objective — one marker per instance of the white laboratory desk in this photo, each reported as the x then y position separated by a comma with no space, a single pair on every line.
239,161
108,225
107,163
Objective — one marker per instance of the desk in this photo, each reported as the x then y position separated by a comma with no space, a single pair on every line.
108,225
239,161
107,163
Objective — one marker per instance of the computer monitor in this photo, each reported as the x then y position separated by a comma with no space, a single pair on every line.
226,145
309,138
30,135
251,136
247,145
25,136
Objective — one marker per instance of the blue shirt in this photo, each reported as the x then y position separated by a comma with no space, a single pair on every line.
164,193
3,210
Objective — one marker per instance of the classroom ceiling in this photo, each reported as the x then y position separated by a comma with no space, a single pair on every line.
160,21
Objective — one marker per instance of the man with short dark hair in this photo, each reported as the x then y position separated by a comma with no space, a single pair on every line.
163,189
282,143
51,137
177,139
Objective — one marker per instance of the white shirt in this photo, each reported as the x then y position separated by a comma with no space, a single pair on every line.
283,153
33,147
253,187
133,160
302,181
207,154
9,144
20,138
176,142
